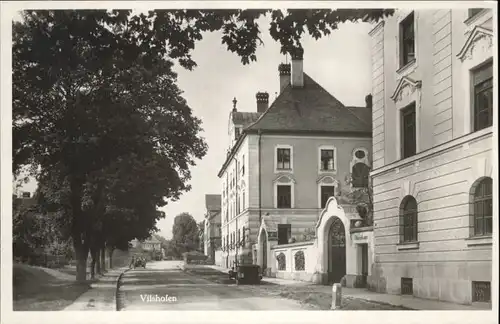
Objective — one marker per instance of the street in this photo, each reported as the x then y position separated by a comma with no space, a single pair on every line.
164,286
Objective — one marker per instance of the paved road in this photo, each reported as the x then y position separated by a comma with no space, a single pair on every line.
190,292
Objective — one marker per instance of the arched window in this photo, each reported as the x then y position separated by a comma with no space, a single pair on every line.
483,207
299,261
408,220
281,261
360,175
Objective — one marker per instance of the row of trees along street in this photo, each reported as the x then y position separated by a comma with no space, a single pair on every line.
100,122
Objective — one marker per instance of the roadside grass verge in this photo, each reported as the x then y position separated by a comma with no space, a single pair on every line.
42,289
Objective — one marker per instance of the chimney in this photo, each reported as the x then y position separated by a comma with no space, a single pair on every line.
368,100
262,101
284,70
298,68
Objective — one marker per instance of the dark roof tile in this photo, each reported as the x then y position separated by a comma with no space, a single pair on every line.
311,108
244,118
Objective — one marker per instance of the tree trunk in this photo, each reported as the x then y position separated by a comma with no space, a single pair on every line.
110,253
102,259
95,266
81,252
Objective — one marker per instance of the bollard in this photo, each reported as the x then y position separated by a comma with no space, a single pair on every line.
336,296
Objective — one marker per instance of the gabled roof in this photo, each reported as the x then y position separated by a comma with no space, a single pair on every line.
311,108
213,202
404,81
307,110
244,118
477,31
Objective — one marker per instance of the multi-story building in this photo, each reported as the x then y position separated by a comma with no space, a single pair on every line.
432,154
212,230
285,160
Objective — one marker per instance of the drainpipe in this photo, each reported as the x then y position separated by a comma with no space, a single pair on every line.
260,180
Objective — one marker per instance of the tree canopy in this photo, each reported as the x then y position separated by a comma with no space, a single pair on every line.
185,233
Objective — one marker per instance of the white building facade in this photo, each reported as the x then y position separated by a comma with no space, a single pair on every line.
432,79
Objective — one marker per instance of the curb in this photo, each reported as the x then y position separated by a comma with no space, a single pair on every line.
118,295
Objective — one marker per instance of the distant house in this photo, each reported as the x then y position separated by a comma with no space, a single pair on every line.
151,244
212,231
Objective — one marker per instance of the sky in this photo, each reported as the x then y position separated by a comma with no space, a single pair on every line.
341,63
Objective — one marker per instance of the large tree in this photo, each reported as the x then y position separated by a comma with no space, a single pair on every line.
93,88
185,235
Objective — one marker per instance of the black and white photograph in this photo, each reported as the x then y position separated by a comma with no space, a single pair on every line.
316,158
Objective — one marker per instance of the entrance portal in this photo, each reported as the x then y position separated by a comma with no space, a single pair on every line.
336,251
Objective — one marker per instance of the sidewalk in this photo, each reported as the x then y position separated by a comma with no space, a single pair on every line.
101,295
410,302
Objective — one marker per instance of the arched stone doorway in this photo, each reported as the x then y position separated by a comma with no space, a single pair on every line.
335,247
336,251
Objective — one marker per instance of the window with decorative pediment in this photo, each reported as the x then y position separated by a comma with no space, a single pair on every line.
483,96
327,191
281,258
284,192
284,196
327,187
408,131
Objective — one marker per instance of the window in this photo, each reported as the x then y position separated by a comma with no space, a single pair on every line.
281,258
474,11
299,261
408,220
360,154
407,40
406,286
283,159
326,192
237,133
360,175
483,97
409,131
327,160
284,233
284,196
483,207
481,291
243,200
